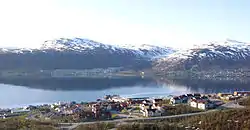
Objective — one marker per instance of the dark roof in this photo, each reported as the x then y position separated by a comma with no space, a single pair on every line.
176,98
189,95
204,97
142,98
201,101
146,104
197,94
157,100
183,96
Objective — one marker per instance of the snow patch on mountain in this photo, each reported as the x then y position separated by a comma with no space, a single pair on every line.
89,46
79,44
228,49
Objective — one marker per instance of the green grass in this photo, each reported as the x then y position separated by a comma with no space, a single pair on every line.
114,116
180,109
17,123
125,111
245,102
96,126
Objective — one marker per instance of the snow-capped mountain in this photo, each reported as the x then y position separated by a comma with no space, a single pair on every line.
83,45
224,55
78,53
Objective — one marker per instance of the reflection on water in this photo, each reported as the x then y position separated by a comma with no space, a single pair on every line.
208,86
48,90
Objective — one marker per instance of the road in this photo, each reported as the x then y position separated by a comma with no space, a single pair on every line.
70,126
232,104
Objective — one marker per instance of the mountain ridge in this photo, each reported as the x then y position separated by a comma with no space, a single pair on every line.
229,54
78,53
81,45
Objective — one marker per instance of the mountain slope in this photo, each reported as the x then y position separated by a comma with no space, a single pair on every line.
83,45
79,53
230,54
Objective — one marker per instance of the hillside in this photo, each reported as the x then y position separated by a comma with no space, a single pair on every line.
79,53
229,58
223,58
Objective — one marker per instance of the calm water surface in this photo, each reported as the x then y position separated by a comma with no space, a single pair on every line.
17,95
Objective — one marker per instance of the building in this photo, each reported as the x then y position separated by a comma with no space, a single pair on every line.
197,95
157,100
175,100
223,95
117,98
145,106
20,110
201,104
190,95
184,98
204,98
158,107
194,104
241,93
96,109
151,112
232,97
205,105
149,109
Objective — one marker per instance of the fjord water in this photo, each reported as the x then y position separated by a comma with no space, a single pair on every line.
25,92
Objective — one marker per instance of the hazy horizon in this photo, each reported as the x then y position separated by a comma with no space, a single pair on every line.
29,23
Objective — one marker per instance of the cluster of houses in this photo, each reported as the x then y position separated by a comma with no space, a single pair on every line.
195,100
4,113
233,96
150,108
114,104
85,72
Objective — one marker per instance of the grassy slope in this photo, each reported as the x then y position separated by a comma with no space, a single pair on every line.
233,119
21,123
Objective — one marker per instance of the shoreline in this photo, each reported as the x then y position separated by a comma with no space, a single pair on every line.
160,95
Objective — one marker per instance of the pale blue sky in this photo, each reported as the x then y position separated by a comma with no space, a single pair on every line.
181,23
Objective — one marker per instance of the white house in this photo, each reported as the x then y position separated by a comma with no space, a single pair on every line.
205,105
154,106
151,112
19,110
58,109
118,99
201,104
145,106
194,104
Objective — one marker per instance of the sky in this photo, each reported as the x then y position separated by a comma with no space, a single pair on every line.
177,23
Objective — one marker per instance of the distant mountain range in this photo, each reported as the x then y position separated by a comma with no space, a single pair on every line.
226,55
80,53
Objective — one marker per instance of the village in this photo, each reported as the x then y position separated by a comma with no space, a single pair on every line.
113,107
109,72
